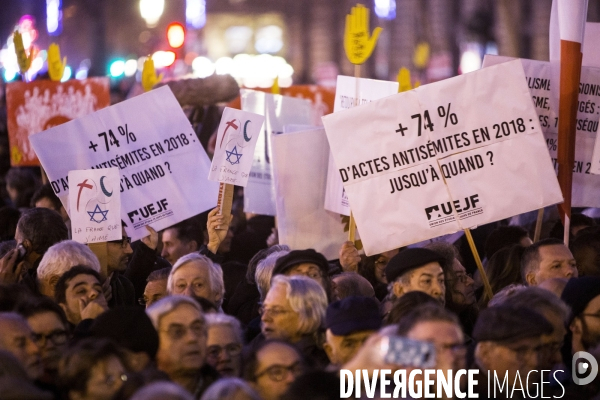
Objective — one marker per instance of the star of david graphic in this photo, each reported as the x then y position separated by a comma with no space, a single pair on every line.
97,211
233,153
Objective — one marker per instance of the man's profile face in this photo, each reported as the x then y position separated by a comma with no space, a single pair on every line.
17,339
52,337
556,261
428,279
81,290
309,270
279,320
118,256
277,367
341,349
154,291
448,340
588,323
521,355
173,248
182,340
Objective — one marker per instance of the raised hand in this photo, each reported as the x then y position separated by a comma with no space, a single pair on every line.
149,78
23,59
56,66
357,43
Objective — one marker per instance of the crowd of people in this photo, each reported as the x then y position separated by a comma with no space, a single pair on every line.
199,311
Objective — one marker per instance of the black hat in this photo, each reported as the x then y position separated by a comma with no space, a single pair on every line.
129,327
579,292
353,314
500,323
408,260
295,257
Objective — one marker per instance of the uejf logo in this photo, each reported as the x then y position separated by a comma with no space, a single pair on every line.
582,363
441,214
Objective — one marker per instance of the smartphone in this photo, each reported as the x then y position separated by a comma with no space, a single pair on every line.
408,352
22,251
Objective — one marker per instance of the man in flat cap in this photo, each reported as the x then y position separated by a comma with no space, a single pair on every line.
349,323
305,262
509,342
416,270
583,296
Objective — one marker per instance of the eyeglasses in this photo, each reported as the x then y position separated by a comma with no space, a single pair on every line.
273,311
111,379
278,373
57,337
123,242
597,315
177,332
233,349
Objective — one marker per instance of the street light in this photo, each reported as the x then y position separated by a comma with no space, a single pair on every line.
151,11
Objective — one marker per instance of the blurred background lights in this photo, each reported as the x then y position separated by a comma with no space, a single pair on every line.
130,67
66,74
224,65
269,39
163,59
151,11
195,13
175,35
53,17
385,9
203,67
117,68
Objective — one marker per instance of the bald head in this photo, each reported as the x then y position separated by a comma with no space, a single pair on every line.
17,339
351,284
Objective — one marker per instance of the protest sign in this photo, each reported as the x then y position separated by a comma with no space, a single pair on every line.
234,151
259,193
443,157
33,107
95,205
163,167
349,93
586,185
302,220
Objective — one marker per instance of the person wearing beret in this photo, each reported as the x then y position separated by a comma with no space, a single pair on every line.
307,262
349,323
509,343
416,269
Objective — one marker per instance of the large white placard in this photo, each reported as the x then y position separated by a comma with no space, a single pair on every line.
302,221
586,185
95,205
446,156
351,92
162,165
279,111
234,150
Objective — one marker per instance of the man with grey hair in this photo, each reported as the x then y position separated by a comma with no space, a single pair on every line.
58,259
224,344
196,275
264,272
181,328
294,311
17,339
548,305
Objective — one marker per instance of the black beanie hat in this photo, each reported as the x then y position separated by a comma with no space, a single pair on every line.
129,327
408,260
295,257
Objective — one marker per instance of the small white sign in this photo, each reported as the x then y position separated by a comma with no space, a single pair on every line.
236,139
95,205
